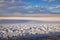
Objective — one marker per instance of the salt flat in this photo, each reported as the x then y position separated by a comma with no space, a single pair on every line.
28,29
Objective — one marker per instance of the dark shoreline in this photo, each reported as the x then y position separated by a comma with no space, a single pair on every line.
41,38
51,36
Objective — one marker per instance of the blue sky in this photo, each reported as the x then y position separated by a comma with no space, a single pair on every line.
16,7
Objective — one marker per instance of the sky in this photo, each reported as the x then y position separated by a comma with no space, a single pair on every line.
18,7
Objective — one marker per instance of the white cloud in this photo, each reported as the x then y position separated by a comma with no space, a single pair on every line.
8,6
54,7
27,7
49,0
50,8
15,7
58,6
11,1
36,6
21,8
30,11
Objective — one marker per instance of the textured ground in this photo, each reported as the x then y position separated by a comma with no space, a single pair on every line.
19,30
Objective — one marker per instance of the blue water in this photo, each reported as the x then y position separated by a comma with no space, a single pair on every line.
38,36
30,37
34,36
14,21
26,21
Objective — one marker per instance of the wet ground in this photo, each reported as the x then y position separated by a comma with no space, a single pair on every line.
42,38
49,38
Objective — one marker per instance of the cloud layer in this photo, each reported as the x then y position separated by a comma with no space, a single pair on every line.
49,0
22,7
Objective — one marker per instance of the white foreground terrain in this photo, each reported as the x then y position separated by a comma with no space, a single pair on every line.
23,29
